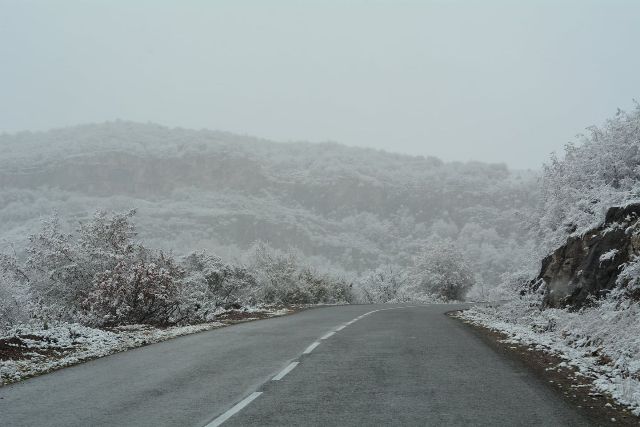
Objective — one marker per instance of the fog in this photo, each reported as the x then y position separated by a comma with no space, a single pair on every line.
494,81
170,168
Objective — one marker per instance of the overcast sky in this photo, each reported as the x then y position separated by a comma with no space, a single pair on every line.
498,81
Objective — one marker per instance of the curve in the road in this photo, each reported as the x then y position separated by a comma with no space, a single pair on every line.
219,420
404,366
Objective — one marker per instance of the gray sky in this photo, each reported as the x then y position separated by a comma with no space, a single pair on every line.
499,81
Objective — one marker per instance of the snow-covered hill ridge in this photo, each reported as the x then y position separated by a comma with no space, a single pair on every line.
350,208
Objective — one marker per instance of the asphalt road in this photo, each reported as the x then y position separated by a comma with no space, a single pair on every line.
399,366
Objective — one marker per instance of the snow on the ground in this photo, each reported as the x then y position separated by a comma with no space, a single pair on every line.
601,342
27,350
608,256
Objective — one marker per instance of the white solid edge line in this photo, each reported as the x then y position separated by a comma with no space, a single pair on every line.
285,371
236,408
327,335
311,347
341,327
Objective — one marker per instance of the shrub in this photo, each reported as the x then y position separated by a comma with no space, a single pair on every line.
441,271
143,288
385,284
101,276
210,284
282,279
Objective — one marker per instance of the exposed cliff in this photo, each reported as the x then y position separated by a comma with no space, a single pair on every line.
589,265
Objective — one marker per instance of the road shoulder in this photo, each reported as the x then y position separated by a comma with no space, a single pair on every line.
563,380
29,352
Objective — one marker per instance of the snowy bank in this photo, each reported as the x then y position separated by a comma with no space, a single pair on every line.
27,351
601,342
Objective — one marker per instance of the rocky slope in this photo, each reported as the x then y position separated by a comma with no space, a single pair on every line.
589,265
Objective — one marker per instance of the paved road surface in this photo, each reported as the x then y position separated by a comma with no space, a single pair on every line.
400,366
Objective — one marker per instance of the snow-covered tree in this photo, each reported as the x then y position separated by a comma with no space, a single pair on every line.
276,274
58,275
14,294
210,284
440,270
282,278
324,288
384,284
601,171
356,208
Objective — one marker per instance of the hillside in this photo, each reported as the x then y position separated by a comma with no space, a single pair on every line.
349,208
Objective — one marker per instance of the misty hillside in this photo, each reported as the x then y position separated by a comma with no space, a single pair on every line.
350,208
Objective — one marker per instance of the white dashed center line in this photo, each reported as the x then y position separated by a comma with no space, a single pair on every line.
237,408
240,405
285,371
327,335
311,347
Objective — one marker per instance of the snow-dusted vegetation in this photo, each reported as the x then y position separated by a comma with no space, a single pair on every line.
341,208
28,350
70,297
439,273
227,222
342,225
584,304
73,297
102,276
601,341
600,171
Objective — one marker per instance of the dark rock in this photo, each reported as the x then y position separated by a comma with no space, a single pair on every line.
578,270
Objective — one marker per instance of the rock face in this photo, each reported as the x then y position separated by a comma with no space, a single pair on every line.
589,265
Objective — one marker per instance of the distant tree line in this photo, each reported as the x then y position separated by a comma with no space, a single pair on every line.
102,276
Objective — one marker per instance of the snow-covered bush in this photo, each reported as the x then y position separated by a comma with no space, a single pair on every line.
14,299
511,285
99,276
142,288
439,273
629,279
57,272
13,293
324,288
282,279
440,270
383,285
276,274
209,284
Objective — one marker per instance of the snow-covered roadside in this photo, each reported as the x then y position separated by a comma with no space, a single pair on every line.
27,351
602,342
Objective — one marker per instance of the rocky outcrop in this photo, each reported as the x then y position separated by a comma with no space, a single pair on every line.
589,265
